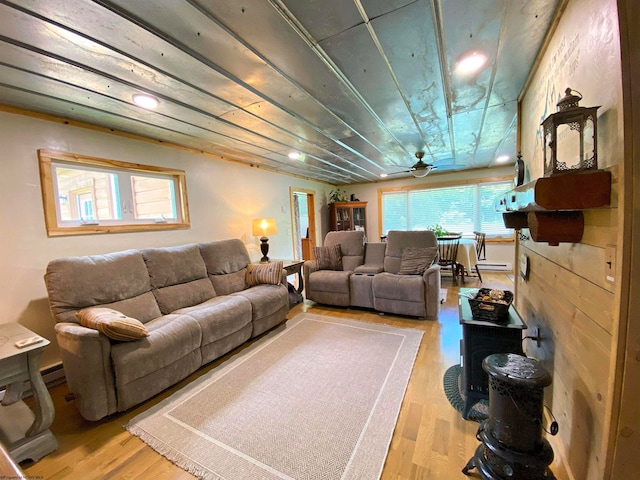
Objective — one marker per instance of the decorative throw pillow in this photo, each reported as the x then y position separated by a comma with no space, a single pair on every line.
415,260
328,258
114,324
260,273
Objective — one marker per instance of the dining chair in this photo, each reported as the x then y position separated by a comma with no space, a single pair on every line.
448,253
480,246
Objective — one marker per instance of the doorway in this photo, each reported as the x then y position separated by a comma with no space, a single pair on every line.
303,221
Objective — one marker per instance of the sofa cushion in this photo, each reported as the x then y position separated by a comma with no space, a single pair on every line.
328,258
112,323
398,240
74,283
184,295
225,256
171,337
351,246
226,262
399,287
219,316
174,265
330,281
269,273
415,260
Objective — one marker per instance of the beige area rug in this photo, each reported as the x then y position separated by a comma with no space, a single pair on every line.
317,398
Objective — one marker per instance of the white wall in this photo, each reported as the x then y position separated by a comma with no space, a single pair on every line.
223,199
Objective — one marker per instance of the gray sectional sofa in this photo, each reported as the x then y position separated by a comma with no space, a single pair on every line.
370,275
192,299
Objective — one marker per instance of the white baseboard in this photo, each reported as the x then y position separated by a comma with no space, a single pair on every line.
495,267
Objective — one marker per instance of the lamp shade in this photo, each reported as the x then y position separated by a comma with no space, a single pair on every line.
263,227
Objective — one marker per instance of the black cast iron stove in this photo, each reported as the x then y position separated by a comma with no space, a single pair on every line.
513,447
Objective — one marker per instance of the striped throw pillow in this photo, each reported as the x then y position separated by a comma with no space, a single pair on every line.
261,273
328,258
114,324
415,260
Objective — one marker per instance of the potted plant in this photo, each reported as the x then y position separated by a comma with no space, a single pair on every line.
439,230
337,195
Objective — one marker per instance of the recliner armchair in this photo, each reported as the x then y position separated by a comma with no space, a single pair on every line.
331,287
370,275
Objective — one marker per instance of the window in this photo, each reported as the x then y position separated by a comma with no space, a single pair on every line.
92,195
460,208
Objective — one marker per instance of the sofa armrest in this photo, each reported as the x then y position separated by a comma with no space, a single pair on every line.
86,357
431,279
308,268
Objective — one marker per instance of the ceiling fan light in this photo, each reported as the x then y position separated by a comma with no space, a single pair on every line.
421,172
145,101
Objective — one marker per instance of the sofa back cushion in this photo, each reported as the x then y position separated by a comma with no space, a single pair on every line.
178,276
226,263
398,240
351,246
119,280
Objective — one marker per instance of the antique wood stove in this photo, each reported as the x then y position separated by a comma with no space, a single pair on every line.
513,447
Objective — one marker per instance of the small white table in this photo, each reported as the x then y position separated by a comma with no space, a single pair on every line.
25,433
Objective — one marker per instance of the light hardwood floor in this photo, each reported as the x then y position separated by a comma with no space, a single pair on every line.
431,440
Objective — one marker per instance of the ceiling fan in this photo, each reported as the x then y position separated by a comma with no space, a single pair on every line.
419,169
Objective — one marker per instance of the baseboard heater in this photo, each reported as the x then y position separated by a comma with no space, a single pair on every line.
52,376
495,267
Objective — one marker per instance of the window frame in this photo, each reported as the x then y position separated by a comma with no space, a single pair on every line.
435,185
58,227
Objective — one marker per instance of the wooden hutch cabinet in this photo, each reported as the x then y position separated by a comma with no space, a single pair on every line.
348,216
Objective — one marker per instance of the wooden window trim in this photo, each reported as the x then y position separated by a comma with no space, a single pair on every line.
47,157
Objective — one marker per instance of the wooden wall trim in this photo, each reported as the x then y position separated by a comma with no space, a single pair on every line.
624,434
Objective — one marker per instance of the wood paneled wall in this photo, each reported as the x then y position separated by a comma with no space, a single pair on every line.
567,294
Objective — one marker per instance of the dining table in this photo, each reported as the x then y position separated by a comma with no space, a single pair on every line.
467,256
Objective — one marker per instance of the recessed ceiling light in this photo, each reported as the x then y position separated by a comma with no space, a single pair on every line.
294,155
471,63
145,101
503,159
383,175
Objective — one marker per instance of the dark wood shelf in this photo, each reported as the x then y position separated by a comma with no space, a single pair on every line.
551,207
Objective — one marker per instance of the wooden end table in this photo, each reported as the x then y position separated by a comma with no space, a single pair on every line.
25,433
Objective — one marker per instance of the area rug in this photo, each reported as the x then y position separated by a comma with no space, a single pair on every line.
451,383
317,398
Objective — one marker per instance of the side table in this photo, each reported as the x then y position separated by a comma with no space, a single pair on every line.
293,267
479,340
25,433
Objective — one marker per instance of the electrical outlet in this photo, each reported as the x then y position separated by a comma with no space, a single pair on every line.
537,336
610,263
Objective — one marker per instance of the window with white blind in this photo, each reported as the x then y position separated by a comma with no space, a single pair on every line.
463,208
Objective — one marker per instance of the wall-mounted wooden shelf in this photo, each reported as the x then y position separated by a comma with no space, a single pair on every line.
551,207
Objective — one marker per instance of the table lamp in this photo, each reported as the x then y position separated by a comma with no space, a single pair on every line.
263,227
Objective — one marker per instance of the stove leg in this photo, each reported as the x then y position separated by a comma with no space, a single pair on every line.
471,464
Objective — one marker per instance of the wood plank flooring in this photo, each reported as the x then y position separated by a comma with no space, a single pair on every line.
431,440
